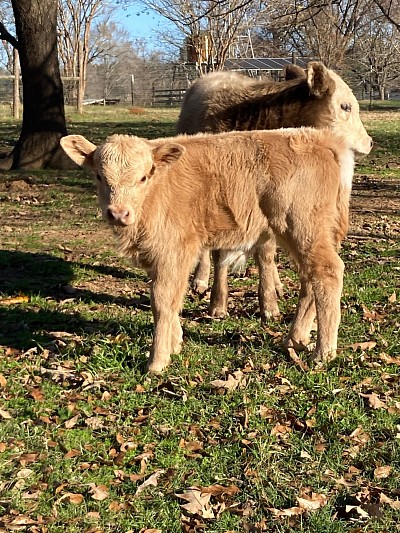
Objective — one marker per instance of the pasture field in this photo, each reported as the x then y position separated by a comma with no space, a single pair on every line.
236,436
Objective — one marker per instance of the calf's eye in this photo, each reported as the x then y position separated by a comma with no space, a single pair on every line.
143,179
346,107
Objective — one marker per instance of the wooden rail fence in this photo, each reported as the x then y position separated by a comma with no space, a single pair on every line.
167,97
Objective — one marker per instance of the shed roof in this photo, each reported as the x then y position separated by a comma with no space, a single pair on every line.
263,63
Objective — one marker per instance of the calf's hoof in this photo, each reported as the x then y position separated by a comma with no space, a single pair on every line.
279,289
199,286
298,346
320,356
218,312
268,315
177,347
157,366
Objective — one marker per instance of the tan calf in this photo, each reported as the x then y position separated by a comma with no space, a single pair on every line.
168,199
225,101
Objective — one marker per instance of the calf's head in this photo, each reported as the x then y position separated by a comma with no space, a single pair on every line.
125,168
333,105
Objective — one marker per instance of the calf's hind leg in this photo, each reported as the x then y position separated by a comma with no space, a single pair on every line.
219,290
201,274
269,285
299,333
321,275
327,290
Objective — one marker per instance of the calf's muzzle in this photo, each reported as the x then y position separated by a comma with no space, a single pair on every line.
119,215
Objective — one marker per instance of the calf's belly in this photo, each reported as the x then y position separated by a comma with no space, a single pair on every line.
241,240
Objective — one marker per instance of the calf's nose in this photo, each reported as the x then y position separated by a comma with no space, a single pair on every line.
118,215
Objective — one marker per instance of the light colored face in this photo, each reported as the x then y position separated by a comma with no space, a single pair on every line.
124,167
345,118
123,170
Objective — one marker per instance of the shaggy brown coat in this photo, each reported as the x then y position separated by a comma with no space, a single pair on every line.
167,199
224,101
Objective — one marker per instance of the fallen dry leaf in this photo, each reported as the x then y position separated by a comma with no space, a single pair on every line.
99,492
219,490
27,458
150,481
231,383
374,401
368,345
71,497
313,502
72,422
357,509
24,473
21,522
392,297
388,359
12,300
115,507
31,495
371,315
297,360
36,394
280,429
5,414
71,454
394,504
3,382
198,502
292,511
382,472
94,422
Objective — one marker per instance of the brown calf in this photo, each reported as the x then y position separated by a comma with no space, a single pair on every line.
168,199
225,101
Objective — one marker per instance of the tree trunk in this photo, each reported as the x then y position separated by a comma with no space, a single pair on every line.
43,120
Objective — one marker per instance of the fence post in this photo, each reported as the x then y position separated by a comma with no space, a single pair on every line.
16,100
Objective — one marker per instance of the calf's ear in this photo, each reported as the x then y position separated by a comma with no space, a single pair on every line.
293,72
167,153
79,149
319,80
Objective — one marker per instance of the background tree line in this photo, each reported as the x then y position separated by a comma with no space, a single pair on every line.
81,39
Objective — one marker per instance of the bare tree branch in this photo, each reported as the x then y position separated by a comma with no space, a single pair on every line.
6,36
391,10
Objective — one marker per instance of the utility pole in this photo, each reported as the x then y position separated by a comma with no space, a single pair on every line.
132,84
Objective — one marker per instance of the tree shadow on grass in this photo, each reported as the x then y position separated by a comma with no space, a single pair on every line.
44,276
33,275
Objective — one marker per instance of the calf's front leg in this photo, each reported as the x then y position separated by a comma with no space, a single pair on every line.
167,291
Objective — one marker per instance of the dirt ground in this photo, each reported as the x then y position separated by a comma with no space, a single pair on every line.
375,208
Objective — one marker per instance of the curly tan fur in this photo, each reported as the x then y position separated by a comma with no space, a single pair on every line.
168,199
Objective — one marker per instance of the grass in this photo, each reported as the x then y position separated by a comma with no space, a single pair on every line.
90,443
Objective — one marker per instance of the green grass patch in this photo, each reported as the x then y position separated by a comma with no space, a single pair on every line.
235,436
